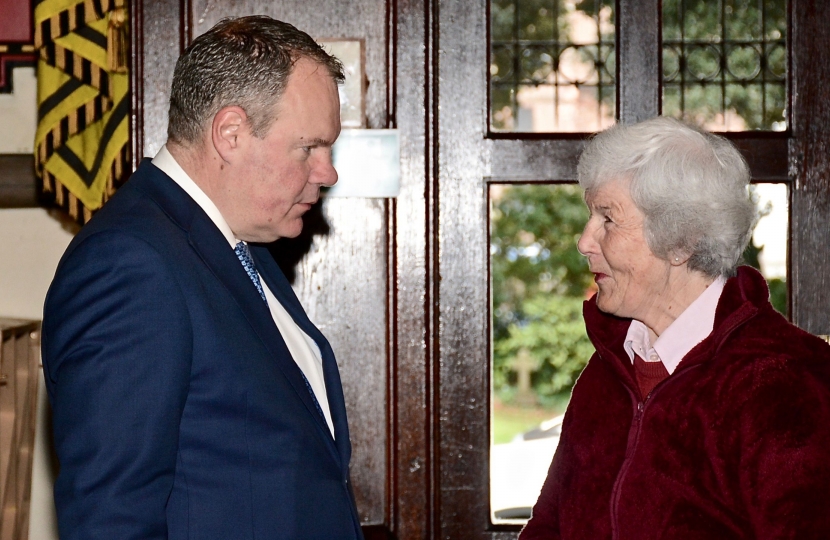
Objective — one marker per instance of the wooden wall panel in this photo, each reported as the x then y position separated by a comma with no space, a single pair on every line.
342,284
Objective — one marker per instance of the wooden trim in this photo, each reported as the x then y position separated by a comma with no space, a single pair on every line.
640,53
412,393
767,157
534,161
136,82
523,160
809,162
17,181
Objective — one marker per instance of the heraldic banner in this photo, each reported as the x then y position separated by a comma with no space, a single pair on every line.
81,143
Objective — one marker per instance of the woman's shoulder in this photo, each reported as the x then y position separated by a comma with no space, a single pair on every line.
769,360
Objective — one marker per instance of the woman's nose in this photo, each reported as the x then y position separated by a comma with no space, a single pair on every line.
586,243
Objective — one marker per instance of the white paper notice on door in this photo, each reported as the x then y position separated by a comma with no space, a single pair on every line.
368,163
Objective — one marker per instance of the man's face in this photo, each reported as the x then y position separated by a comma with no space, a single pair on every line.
280,175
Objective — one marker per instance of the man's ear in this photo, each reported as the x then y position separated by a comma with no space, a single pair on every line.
229,124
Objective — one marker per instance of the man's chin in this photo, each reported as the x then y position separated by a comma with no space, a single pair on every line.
291,231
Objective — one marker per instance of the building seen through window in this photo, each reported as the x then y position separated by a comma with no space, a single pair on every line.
552,64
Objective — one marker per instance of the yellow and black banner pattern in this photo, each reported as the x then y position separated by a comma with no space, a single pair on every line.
81,143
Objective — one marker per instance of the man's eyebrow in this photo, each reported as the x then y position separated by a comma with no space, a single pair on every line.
317,142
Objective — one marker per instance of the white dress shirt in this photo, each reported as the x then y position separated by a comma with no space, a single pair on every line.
303,349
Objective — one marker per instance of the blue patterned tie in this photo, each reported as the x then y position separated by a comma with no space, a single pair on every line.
244,254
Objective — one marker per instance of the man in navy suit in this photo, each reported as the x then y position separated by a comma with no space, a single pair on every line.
192,396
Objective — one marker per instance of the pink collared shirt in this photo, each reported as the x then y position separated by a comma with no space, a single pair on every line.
690,328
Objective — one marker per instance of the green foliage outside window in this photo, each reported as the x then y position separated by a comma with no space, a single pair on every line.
725,56
539,282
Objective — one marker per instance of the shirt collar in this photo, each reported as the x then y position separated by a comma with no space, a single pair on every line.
690,328
165,161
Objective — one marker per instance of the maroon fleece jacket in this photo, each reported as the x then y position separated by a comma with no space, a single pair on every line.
735,444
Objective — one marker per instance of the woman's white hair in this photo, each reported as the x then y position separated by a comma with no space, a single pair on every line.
691,185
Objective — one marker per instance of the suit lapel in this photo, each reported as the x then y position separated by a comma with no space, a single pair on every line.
279,285
214,250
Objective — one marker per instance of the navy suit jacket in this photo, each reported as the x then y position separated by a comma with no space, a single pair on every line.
178,410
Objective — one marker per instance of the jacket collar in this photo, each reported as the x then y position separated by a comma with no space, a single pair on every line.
212,247
743,297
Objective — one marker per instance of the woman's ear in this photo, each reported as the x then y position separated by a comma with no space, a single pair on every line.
679,257
227,128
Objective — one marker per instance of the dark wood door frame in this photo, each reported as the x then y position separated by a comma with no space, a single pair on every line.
809,166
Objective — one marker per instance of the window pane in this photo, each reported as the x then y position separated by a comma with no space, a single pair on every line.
724,63
768,249
539,281
552,65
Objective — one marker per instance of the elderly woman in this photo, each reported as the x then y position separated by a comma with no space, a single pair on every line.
703,414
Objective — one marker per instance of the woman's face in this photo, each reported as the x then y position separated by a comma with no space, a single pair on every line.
632,281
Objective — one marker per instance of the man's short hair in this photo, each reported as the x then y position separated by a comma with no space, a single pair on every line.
244,61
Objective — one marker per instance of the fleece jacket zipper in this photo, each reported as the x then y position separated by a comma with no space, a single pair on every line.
630,447
633,439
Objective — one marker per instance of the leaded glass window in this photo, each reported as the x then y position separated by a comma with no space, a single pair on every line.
552,65
725,63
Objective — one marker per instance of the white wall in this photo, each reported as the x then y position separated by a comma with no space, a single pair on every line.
31,244
18,113
43,522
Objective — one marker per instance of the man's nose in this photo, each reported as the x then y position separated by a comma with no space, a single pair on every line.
324,173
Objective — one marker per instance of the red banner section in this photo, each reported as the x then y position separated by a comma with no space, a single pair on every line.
16,39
